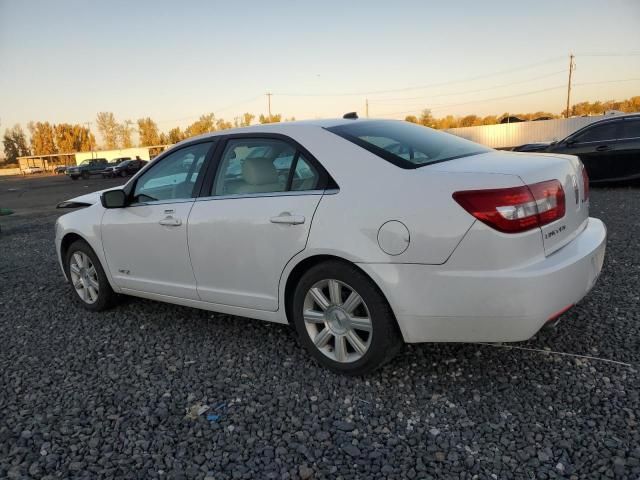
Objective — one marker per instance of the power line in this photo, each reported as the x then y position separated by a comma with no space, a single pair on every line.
440,107
420,87
474,91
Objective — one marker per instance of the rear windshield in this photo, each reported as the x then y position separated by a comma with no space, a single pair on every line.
405,144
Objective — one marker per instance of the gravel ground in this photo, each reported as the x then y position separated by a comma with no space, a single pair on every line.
104,395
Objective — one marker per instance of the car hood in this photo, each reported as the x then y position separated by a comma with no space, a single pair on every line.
84,200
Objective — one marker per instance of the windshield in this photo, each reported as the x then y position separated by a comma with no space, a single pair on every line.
405,144
85,162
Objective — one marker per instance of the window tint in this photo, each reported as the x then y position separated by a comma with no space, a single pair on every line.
254,166
305,176
630,128
406,144
597,133
174,177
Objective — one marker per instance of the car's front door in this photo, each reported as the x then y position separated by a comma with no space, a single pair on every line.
596,147
145,243
628,150
256,217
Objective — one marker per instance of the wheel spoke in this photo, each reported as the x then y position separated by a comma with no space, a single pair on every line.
93,283
341,349
352,302
74,269
77,284
79,259
319,298
322,338
92,293
335,290
312,316
360,323
355,341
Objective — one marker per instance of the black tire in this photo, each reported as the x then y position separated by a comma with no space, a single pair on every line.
386,340
85,175
123,173
73,177
106,296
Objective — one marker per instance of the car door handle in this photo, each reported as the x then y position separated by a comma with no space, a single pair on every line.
602,148
170,221
288,219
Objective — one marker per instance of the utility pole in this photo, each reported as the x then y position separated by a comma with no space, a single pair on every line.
269,104
572,65
366,107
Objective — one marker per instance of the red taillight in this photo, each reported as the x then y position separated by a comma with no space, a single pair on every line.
585,184
517,209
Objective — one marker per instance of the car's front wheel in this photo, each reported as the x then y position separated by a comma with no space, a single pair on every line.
343,319
90,285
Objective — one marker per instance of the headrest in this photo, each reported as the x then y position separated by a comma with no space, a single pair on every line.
259,171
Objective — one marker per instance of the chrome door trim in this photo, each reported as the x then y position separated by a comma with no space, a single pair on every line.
267,194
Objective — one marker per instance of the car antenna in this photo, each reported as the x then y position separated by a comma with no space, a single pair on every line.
351,115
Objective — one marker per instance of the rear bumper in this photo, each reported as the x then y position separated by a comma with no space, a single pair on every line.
443,303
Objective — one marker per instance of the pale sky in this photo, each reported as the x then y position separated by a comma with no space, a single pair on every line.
66,60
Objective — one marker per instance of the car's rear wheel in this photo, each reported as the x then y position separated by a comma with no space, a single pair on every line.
123,173
84,271
73,177
85,175
343,319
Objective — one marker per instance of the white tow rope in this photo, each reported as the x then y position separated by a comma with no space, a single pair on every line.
587,357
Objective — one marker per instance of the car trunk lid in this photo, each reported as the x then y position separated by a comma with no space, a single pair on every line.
531,169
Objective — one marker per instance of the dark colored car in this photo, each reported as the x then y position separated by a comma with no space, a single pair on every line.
90,166
125,168
609,149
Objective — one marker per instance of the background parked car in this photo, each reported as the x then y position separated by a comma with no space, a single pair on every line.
31,170
91,166
609,149
60,169
124,168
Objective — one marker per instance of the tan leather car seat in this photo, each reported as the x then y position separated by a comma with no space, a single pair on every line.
260,176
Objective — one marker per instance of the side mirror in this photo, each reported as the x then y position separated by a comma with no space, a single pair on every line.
114,199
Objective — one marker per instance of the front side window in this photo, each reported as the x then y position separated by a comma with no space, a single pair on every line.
174,177
405,144
598,133
259,165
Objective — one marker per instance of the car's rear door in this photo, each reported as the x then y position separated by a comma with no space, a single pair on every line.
145,243
253,218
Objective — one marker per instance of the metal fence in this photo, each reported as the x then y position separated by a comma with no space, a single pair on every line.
508,135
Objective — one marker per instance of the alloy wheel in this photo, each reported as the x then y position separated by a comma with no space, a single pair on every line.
84,277
337,320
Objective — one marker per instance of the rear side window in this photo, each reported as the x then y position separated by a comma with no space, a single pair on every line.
405,144
261,165
630,128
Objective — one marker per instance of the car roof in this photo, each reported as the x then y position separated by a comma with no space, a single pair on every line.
284,127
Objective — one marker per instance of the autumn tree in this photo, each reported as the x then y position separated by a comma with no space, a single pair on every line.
108,128
163,139
222,124
246,119
42,138
148,131
411,119
125,130
270,119
15,144
426,118
175,135
205,124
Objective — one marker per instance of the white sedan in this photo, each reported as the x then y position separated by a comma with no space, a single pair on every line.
362,234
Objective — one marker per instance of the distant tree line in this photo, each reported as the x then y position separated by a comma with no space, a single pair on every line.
49,139
579,109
